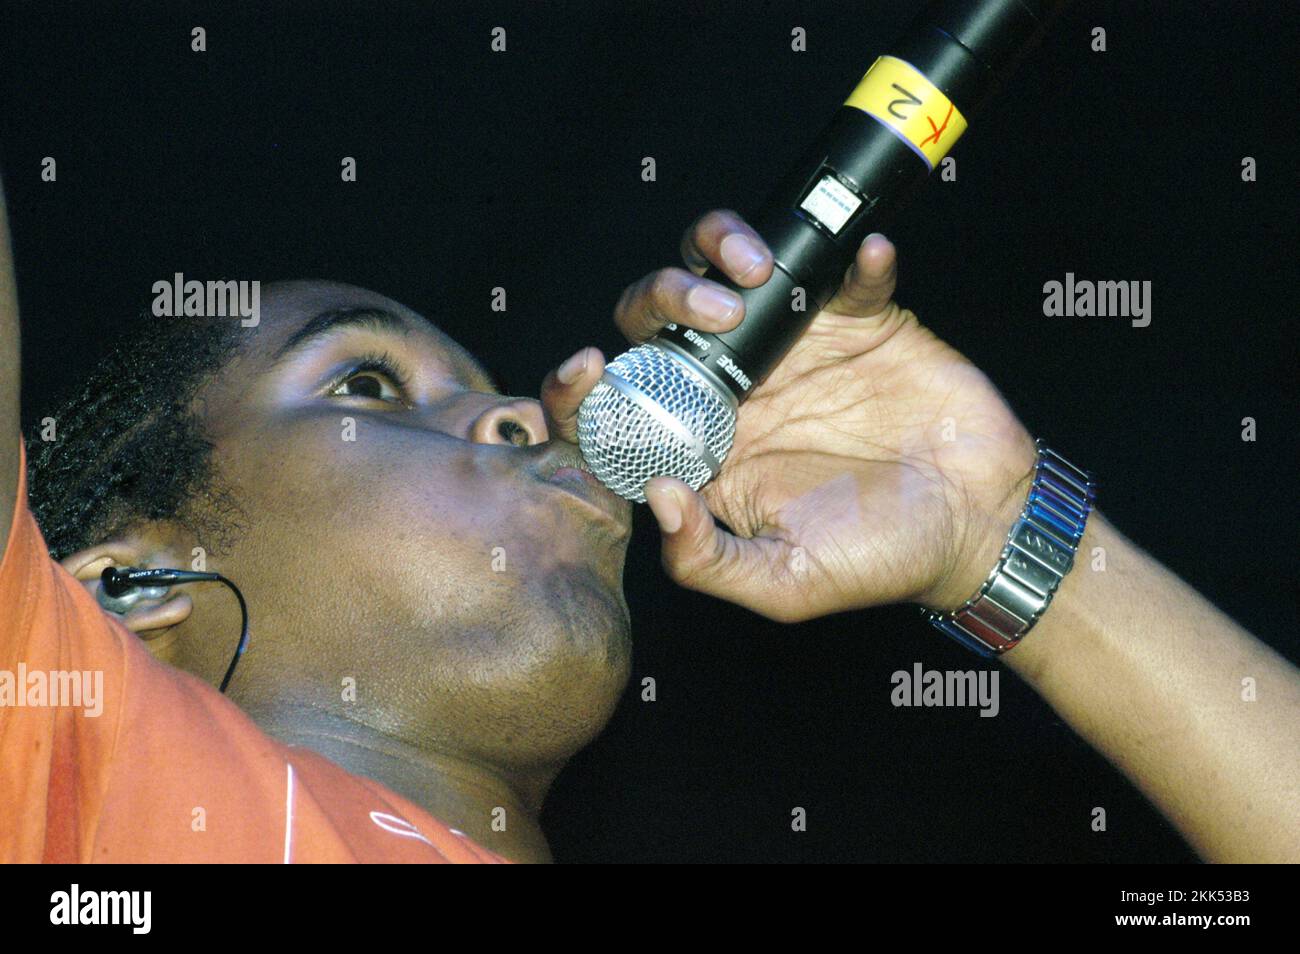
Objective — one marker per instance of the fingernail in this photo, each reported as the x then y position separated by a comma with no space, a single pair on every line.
873,235
716,304
667,508
741,255
571,369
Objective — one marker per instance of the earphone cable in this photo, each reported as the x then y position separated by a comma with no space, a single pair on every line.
243,631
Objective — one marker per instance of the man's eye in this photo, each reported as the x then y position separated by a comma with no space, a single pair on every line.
368,384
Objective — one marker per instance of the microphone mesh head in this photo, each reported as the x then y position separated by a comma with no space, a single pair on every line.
652,415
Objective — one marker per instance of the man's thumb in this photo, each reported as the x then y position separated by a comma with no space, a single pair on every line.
695,549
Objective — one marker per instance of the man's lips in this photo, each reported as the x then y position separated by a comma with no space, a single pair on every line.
561,465
596,497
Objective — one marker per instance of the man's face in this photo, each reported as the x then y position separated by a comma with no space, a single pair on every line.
400,530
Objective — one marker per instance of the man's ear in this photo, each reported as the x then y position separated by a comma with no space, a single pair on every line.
153,618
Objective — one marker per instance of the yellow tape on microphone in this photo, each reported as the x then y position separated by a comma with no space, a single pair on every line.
898,95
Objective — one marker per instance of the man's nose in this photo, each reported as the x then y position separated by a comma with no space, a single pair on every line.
519,421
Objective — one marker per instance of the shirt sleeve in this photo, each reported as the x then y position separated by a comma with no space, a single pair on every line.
169,770
61,675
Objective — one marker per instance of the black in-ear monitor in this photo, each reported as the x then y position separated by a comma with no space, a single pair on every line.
118,582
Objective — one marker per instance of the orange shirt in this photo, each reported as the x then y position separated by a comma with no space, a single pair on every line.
155,765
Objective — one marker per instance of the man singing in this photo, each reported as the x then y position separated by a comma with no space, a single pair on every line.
435,587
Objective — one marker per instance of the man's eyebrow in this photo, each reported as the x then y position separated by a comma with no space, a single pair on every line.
376,319
329,322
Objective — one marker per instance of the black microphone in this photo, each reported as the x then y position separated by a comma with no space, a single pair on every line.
668,406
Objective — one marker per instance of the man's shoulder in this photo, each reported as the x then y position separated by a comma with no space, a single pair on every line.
208,769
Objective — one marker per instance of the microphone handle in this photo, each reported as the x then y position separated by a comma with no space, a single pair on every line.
899,122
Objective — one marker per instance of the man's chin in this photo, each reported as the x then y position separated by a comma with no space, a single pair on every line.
587,612
559,686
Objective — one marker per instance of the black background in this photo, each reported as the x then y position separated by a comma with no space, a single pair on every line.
478,169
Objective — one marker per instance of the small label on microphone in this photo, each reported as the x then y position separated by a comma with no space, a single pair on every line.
830,203
899,95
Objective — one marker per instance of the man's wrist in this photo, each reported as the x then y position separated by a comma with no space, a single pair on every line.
983,533
1035,557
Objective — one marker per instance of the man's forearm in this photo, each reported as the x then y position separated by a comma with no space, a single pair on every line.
1202,716
9,419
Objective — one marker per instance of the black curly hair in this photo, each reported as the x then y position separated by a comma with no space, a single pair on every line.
129,446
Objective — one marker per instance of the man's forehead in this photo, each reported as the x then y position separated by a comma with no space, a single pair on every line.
294,313
289,306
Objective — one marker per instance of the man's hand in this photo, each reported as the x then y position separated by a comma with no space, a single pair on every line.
874,465
877,464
